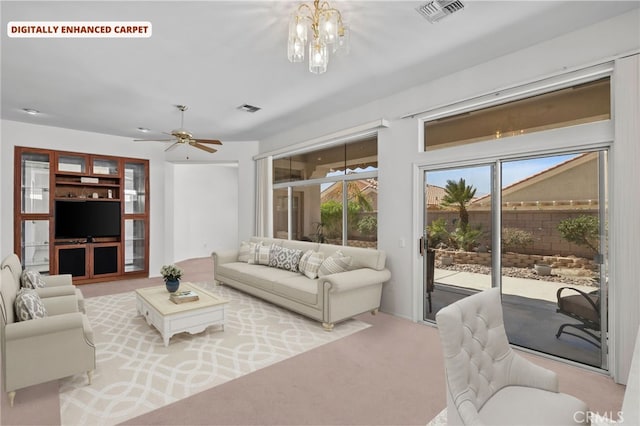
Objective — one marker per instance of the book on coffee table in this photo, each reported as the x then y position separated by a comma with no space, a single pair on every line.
184,296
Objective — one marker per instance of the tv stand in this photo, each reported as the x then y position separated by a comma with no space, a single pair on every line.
44,176
88,261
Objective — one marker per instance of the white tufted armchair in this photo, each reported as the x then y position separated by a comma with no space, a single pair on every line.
487,382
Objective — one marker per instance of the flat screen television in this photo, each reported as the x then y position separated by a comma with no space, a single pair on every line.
87,219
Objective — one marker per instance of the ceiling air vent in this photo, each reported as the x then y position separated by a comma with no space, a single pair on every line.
435,10
249,108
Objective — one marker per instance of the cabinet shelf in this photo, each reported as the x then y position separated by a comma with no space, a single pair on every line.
88,199
65,183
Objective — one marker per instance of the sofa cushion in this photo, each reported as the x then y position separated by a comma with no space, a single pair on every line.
334,264
260,254
298,288
31,279
259,276
284,258
521,405
28,305
361,257
246,250
310,263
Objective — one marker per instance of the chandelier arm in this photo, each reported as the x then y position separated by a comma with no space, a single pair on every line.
305,6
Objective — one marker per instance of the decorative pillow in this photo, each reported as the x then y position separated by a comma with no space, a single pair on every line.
28,305
310,263
335,263
253,253
262,254
246,249
285,258
31,279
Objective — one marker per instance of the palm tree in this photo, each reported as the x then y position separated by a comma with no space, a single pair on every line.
458,194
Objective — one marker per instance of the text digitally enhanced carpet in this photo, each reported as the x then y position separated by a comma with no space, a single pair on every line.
136,373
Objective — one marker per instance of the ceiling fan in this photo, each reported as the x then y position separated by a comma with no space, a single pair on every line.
183,136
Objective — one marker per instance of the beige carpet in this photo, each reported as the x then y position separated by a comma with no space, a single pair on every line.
136,374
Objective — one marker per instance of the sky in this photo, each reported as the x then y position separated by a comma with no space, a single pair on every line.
480,176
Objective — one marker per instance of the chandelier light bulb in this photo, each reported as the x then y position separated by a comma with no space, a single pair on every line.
318,56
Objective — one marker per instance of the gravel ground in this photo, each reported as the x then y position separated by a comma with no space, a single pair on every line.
528,273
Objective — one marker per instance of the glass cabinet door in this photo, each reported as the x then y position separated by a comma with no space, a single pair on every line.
34,245
134,188
35,183
134,245
101,166
72,163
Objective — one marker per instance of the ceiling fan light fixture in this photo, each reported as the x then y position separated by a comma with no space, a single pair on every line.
31,111
183,136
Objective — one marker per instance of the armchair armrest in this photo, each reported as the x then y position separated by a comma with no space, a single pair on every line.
60,305
57,280
351,280
224,256
63,290
43,326
523,372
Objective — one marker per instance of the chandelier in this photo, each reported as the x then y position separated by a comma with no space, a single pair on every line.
328,34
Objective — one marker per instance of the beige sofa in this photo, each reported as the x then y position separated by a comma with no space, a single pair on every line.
328,299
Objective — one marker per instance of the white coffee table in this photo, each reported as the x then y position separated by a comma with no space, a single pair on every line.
170,318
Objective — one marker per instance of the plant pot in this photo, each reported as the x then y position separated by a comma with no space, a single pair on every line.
172,285
542,269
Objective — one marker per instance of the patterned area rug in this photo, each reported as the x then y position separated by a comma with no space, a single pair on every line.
440,419
136,374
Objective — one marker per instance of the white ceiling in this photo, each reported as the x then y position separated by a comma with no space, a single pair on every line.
216,55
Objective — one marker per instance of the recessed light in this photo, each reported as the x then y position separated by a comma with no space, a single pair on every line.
143,130
31,111
249,108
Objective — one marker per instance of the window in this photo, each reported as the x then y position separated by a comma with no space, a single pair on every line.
579,104
311,190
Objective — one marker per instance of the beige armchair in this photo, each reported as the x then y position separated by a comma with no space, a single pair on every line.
487,382
44,349
56,285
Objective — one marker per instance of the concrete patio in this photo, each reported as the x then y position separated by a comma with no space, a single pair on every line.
530,316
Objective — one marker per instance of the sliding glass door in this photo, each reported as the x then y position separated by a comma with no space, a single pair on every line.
457,231
554,245
536,228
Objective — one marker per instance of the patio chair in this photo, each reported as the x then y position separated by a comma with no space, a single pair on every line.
487,381
581,306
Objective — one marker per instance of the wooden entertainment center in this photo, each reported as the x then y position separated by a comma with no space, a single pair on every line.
81,214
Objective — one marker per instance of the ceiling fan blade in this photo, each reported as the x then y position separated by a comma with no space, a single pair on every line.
172,146
153,140
203,147
211,141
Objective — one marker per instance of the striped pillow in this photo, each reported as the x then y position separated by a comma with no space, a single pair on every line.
262,254
310,263
334,264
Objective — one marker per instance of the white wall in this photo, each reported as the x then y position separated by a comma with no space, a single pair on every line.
205,209
163,240
20,134
399,145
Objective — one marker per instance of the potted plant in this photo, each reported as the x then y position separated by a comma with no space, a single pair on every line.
171,275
